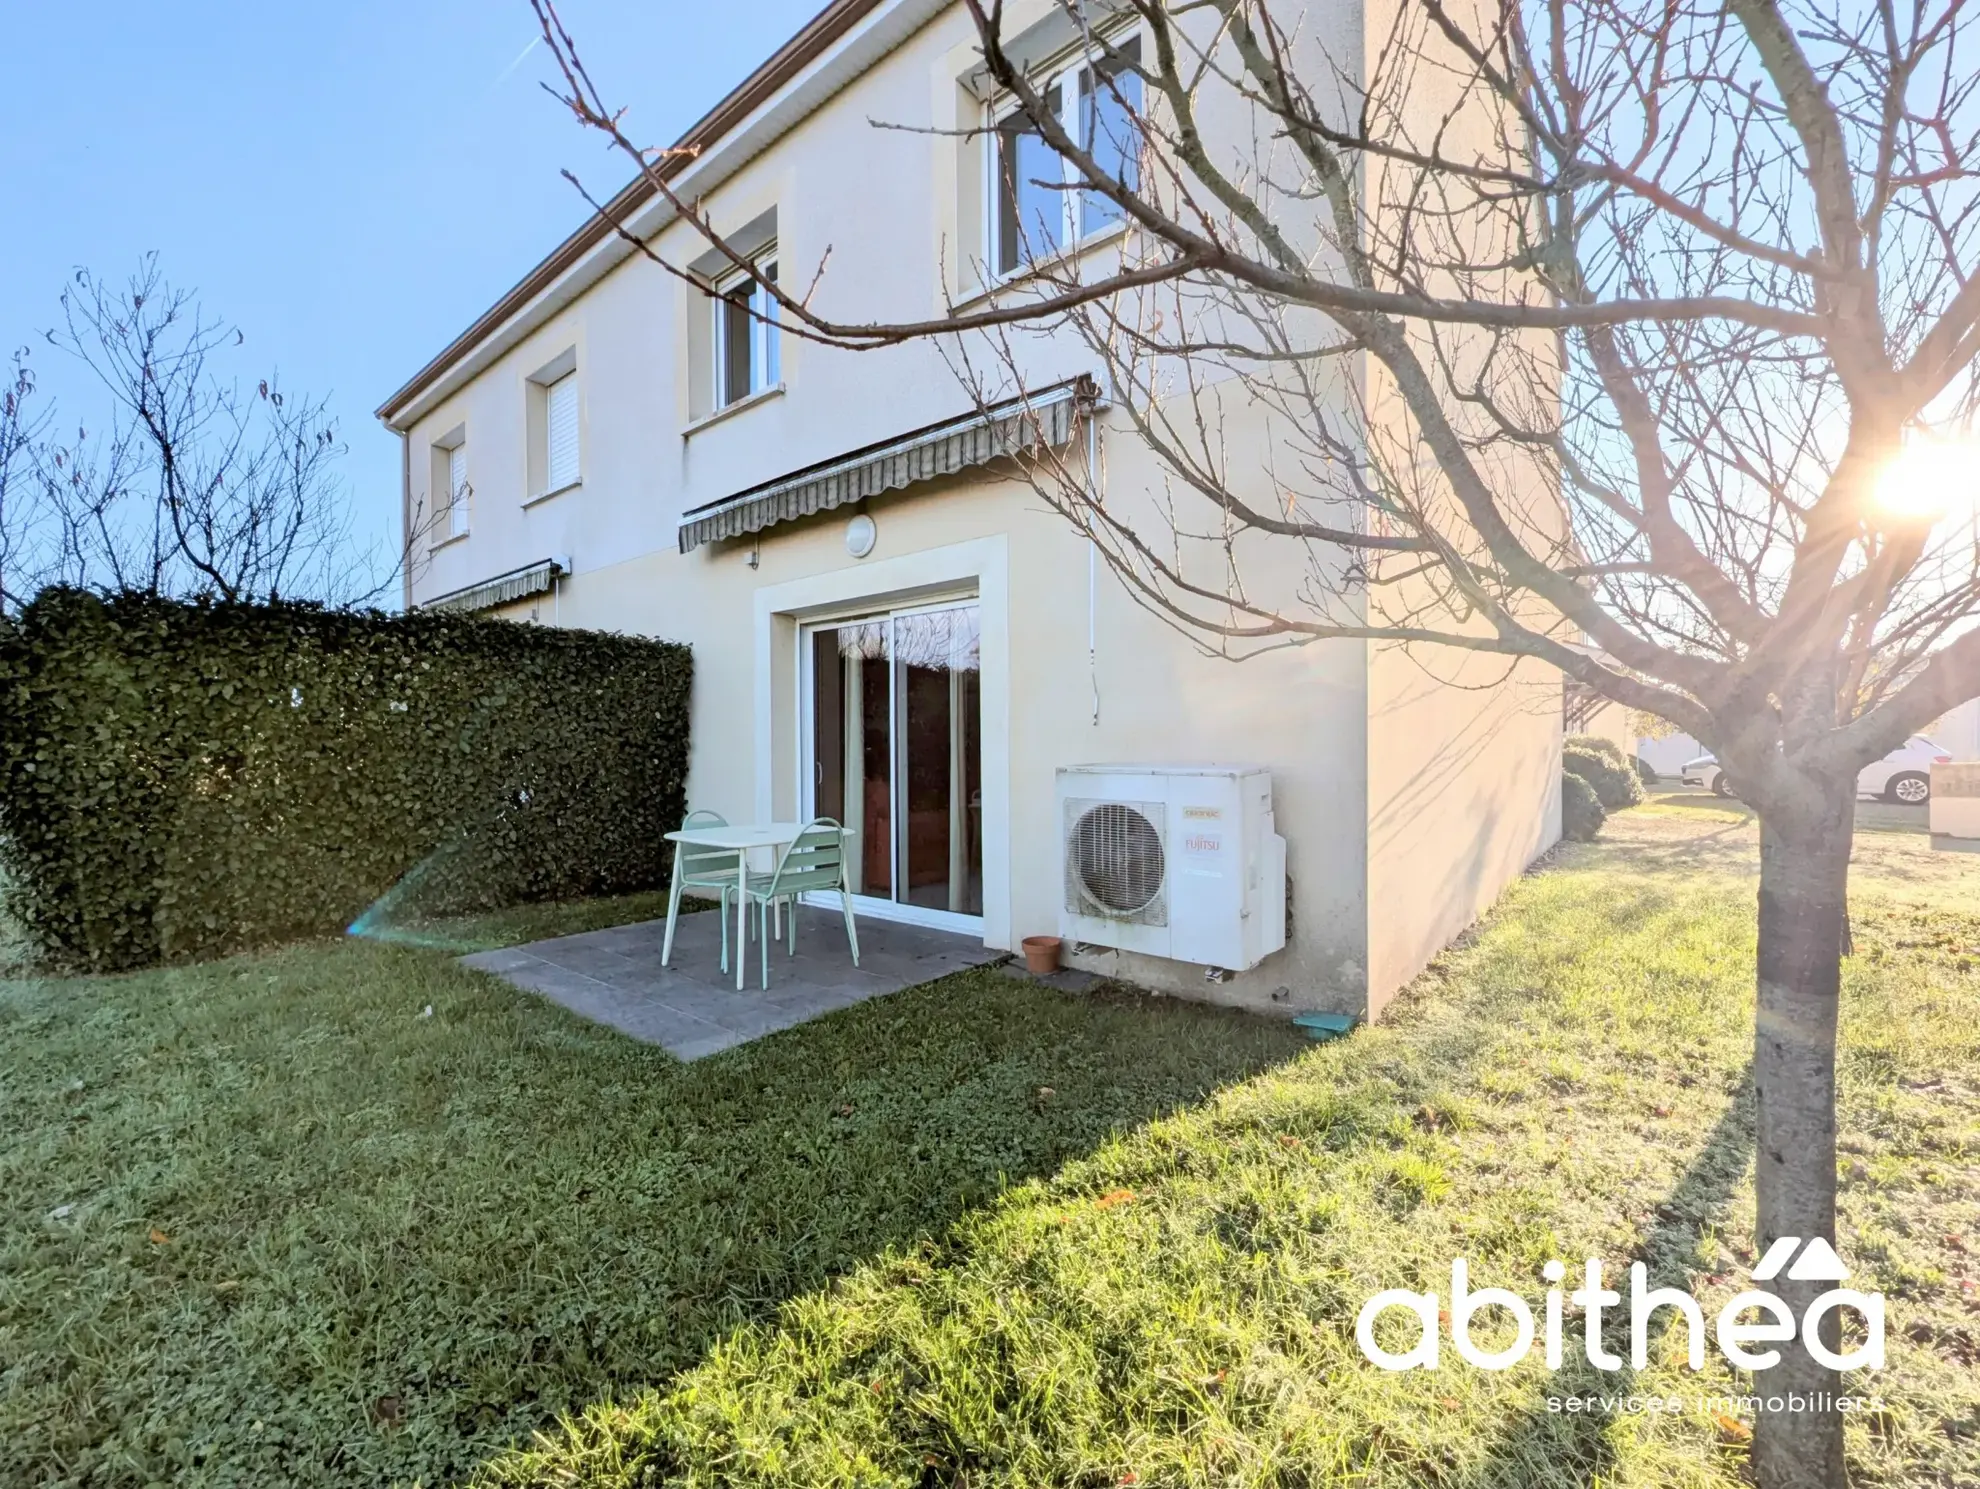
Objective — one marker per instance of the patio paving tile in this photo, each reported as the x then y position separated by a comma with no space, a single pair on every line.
693,1009
507,959
593,960
696,1049
648,1019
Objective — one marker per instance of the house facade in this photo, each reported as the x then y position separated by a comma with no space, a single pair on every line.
889,625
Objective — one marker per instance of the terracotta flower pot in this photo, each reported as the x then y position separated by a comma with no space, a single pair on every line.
1041,954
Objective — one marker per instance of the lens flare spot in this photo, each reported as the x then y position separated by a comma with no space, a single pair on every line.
1930,478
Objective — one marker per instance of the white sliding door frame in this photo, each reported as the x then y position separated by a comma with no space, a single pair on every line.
894,907
783,612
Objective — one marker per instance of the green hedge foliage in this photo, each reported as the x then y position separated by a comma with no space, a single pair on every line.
184,780
1609,750
1598,744
1615,783
1581,810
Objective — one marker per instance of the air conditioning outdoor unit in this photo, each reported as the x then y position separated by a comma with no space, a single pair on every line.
1177,861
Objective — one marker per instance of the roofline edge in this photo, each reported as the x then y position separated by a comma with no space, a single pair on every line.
817,35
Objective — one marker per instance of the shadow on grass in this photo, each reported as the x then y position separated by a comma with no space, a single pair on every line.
1887,816
1678,843
1691,796
399,1240
1180,1307
1547,1447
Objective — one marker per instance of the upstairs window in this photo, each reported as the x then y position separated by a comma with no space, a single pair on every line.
1110,130
1031,201
457,491
553,432
747,361
1040,207
560,401
449,493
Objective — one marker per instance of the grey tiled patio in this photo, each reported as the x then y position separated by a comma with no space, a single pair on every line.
692,1008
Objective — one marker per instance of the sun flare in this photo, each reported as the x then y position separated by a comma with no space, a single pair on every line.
1930,478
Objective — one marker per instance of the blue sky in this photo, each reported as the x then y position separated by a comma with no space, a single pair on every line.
351,183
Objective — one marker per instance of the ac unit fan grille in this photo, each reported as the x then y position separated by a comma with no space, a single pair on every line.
1116,867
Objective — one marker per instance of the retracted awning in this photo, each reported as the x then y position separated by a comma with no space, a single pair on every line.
1044,419
503,589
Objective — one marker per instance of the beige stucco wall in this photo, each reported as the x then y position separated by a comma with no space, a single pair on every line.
1463,747
1611,721
1463,793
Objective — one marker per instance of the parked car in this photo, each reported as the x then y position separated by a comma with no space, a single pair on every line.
1903,776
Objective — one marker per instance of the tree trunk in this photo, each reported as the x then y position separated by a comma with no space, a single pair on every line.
1803,922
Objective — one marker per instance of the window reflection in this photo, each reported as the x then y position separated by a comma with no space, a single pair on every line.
897,753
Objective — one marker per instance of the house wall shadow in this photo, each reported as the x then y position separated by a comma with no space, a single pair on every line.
1457,1038
763,1173
1548,1448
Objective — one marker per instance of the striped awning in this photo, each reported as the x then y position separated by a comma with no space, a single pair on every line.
1044,419
503,589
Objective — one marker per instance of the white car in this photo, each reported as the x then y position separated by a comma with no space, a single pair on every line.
1903,776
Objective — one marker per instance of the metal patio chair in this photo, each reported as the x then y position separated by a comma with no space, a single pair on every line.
712,870
815,860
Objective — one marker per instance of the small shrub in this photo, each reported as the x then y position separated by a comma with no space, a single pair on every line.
1581,809
1597,744
1646,772
1615,784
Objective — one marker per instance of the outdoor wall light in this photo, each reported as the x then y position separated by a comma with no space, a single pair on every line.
861,535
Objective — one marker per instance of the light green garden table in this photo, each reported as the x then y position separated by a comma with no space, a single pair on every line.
740,840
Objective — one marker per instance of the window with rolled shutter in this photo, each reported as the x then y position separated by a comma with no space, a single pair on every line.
457,490
563,432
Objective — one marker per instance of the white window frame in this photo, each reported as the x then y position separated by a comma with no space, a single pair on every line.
554,479
873,906
456,487
458,491
765,352
1064,76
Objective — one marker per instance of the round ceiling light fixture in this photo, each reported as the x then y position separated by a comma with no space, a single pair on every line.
861,535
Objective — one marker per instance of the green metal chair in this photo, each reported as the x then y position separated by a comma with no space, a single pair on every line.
710,869
815,860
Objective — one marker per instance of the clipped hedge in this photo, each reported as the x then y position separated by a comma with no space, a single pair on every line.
1581,810
1597,744
1615,782
183,780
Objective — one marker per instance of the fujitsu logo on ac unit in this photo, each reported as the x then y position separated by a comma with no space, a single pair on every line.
1788,1258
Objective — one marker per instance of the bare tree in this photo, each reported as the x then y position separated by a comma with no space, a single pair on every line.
21,426
193,486
1635,336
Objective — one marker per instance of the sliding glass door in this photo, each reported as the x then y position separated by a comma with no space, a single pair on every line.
894,744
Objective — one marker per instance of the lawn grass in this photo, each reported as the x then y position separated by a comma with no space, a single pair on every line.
1178,1307
270,1222
974,1233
